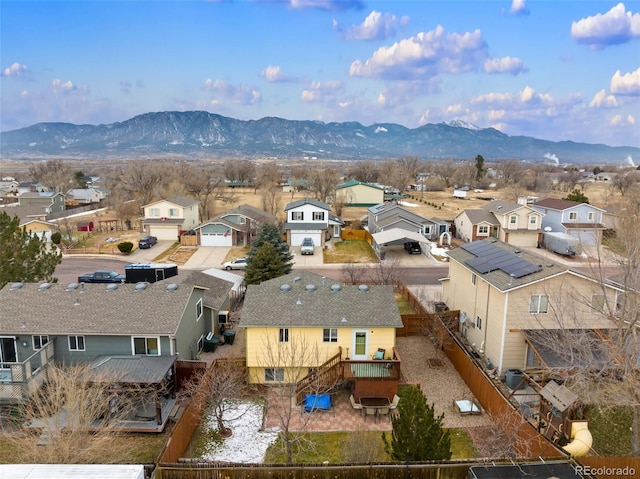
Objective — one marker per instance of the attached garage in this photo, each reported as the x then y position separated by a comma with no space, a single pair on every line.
168,232
298,236
215,234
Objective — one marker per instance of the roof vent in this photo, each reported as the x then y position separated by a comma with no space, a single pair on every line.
336,287
299,301
296,279
141,286
15,286
324,280
363,288
285,288
172,287
518,251
112,286
44,286
310,288
72,286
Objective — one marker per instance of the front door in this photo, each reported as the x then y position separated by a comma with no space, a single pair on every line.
8,352
360,344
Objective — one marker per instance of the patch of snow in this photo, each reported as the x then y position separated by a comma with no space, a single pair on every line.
380,129
249,442
406,203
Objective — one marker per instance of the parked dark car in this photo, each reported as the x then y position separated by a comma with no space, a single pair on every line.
147,242
412,247
102,276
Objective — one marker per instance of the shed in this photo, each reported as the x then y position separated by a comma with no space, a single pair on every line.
85,226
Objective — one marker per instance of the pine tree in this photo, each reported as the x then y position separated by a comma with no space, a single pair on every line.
265,264
24,257
269,233
417,433
577,195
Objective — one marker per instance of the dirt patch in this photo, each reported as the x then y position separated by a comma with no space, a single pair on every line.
182,254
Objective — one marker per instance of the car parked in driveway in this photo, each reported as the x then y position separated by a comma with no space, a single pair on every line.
307,246
412,247
239,263
147,242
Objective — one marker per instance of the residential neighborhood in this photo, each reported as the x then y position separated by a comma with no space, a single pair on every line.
518,330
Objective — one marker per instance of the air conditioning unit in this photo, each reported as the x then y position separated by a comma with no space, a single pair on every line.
223,317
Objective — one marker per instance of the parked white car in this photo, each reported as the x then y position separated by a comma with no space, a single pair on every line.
307,246
239,263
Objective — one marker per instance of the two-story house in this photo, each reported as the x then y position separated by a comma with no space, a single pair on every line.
388,215
580,220
513,223
49,201
79,323
167,219
316,319
309,218
357,193
235,227
503,292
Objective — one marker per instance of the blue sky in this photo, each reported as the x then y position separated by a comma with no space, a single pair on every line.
556,70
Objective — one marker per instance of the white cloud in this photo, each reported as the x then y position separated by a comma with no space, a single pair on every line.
273,74
16,69
518,7
425,55
627,84
322,92
454,109
526,100
619,120
58,86
614,27
237,94
602,100
505,65
377,26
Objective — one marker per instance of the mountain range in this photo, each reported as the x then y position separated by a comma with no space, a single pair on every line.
199,134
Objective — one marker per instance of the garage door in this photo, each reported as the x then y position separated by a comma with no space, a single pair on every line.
215,239
164,233
297,237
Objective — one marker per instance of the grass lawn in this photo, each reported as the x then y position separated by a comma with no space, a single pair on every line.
404,306
350,251
610,427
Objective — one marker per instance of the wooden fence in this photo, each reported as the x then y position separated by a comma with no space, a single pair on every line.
356,235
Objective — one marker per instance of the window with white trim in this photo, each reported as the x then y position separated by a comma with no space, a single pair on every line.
473,278
40,341
573,215
533,220
274,374
76,343
243,220
283,335
297,215
513,219
199,309
174,212
483,230
147,346
428,229
539,303
318,215
154,212
591,216
479,322
330,335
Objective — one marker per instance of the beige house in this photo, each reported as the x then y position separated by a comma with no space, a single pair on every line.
301,320
503,293
357,193
167,219
513,223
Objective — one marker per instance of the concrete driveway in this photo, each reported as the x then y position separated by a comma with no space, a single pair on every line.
147,255
207,257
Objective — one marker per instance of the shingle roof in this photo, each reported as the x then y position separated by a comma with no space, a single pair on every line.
307,201
500,206
556,203
177,200
217,288
251,212
481,216
267,304
349,183
56,311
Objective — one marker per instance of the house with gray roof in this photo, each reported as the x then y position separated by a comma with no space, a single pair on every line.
235,227
168,218
309,218
79,323
389,215
49,201
580,220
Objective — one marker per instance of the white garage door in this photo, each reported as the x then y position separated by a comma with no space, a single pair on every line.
297,237
215,239
164,233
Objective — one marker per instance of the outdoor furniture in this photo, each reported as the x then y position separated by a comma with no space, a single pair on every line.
317,402
372,404
379,355
369,411
382,411
354,404
467,407
394,404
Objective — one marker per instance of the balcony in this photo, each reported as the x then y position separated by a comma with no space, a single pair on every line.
18,381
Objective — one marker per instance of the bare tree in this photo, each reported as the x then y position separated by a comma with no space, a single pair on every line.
445,170
323,183
242,171
387,271
271,199
201,183
141,180
55,174
354,274
364,171
288,362
73,419
510,171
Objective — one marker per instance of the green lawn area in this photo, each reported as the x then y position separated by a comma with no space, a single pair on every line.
610,427
350,251
404,306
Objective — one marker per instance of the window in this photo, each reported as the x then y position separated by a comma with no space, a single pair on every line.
40,341
597,302
513,220
539,303
174,212
199,309
146,346
427,230
479,322
76,343
154,212
591,216
273,374
243,220
318,215
297,216
284,335
330,335
620,303
533,220
573,215
483,230
473,278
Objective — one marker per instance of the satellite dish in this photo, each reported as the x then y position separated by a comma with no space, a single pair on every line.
463,318
547,229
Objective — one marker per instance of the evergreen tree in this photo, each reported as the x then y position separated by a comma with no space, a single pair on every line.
265,264
417,433
269,233
24,257
480,168
577,195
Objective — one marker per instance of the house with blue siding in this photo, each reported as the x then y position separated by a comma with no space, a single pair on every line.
79,323
236,227
388,215
580,220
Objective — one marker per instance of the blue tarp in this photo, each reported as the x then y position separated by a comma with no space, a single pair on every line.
314,402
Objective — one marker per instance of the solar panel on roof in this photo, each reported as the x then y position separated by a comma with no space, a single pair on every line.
489,257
